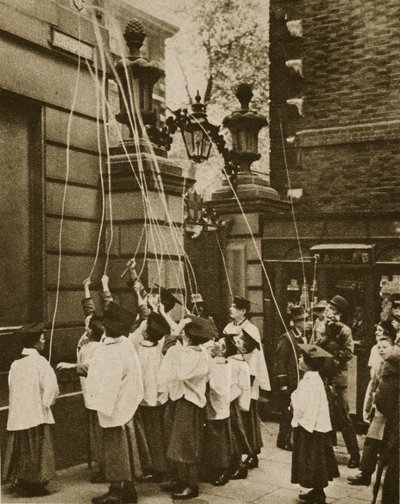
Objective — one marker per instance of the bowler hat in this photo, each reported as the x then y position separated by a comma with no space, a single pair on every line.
340,303
241,303
202,328
298,313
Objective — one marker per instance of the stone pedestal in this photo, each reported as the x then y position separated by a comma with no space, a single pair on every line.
243,250
162,257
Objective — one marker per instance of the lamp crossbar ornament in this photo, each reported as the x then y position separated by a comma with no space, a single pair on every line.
199,134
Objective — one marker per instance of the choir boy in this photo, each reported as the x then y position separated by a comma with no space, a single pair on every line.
239,313
239,402
313,458
29,458
115,389
153,404
217,447
184,370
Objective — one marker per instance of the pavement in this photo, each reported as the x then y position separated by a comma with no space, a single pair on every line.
269,484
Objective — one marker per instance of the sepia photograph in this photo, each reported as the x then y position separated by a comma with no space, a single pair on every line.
200,260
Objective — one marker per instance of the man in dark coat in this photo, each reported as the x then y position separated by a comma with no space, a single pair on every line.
338,341
287,373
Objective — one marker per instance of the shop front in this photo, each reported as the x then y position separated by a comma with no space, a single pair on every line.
355,271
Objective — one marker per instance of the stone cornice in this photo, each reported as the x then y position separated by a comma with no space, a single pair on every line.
168,172
365,132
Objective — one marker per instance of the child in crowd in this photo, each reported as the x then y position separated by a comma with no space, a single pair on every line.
152,407
240,402
86,347
249,345
29,458
313,458
373,440
239,313
184,372
115,389
217,446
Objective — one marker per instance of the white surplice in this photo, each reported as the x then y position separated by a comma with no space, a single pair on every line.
184,373
33,390
255,359
219,395
310,404
150,358
114,386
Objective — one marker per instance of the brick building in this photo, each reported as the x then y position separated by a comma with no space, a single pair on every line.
39,45
335,99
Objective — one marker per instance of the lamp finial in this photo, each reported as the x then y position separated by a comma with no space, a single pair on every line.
244,94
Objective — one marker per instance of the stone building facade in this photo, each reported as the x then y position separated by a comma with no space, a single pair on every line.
40,43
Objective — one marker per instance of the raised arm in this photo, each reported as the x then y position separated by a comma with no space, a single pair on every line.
87,302
106,294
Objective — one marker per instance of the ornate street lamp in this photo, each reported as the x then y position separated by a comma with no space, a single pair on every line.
198,133
195,133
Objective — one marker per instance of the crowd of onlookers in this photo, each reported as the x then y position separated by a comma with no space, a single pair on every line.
177,401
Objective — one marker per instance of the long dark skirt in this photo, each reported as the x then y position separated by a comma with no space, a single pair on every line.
184,423
143,464
313,459
217,444
153,423
29,455
121,454
96,449
252,426
238,439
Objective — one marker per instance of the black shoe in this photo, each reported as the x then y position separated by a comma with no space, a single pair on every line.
319,497
314,497
188,492
307,497
27,489
129,494
33,492
251,462
221,480
240,473
354,462
287,446
172,486
359,479
113,496
97,478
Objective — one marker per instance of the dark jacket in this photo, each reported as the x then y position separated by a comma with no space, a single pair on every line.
387,402
338,342
287,356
